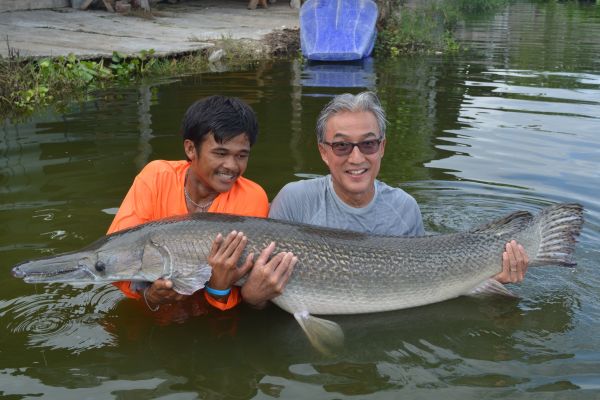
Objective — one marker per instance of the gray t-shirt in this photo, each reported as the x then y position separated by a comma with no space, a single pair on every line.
392,211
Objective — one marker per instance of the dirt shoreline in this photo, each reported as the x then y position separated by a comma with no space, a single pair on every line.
171,30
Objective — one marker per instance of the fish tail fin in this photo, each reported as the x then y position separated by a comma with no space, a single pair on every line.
323,334
558,228
548,238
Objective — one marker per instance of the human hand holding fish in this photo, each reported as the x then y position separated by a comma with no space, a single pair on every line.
514,263
161,292
223,258
268,278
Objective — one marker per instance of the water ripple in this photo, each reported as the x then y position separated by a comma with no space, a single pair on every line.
62,318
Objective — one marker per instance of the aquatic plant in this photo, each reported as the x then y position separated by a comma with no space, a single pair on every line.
26,84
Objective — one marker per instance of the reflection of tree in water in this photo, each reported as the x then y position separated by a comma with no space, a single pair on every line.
513,39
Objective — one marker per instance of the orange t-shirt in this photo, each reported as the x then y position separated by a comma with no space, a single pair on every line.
157,192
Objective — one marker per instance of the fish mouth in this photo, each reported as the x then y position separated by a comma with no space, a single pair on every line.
19,273
40,271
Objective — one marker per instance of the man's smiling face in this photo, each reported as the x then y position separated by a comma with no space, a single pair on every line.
353,175
218,165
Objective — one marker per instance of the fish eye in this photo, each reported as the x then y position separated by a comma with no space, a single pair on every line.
100,266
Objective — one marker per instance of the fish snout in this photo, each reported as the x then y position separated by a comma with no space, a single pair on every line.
18,272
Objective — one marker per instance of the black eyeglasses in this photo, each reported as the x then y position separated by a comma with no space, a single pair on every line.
344,148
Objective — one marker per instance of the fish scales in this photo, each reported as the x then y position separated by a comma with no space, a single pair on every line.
342,272
368,279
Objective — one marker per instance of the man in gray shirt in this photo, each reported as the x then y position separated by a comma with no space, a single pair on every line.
351,136
392,211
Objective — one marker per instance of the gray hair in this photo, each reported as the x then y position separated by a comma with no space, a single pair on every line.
365,101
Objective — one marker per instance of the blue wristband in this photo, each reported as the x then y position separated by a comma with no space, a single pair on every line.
217,292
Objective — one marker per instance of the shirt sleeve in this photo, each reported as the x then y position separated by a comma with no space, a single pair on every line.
419,230
135,209
284,204
399,213
233,299
411,214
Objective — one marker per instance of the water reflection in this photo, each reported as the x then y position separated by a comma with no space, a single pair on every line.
512,139
356,74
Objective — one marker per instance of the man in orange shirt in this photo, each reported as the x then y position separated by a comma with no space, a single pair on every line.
218,133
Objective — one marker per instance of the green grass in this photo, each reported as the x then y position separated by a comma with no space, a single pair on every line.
27,84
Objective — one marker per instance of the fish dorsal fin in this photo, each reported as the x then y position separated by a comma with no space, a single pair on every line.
191,282
323,334
491,287
511,223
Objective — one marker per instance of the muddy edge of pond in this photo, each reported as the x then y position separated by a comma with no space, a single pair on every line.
282,42
278,43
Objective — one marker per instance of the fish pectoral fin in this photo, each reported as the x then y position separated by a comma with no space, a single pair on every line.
323,334
192,282
491,287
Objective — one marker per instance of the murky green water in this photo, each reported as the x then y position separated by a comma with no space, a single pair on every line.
512,124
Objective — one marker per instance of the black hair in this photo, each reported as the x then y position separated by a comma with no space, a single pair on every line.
224,117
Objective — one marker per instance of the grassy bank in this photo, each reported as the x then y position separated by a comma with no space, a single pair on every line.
26,84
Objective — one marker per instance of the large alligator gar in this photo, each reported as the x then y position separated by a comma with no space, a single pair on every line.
338,272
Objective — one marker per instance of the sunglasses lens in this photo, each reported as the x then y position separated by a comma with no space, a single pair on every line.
345,148
342,148
368,146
